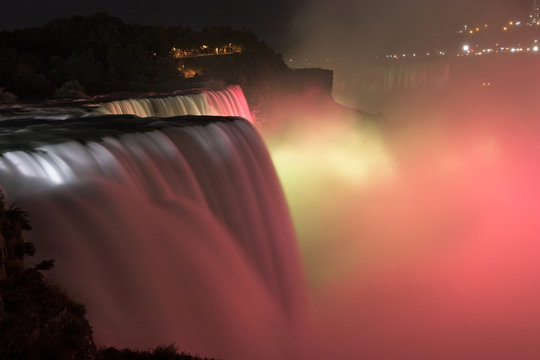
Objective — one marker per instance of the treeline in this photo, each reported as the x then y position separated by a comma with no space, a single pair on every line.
101,53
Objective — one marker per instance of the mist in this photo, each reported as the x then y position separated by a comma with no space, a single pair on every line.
419,231
418,227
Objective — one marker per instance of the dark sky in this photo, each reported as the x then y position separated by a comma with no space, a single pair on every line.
301,24
268,18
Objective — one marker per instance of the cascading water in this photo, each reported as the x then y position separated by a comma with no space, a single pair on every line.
170,230
226,102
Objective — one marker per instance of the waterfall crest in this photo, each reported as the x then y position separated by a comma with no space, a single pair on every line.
227,102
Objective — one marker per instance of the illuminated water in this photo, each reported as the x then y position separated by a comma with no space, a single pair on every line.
418,232
170,230
225,102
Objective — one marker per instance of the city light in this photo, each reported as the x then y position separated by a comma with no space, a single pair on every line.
487,39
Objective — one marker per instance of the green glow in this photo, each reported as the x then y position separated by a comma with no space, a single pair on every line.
320,168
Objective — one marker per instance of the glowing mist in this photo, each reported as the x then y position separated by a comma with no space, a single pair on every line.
419,230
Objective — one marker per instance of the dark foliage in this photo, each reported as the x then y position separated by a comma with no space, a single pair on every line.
102,53
45,265
37,319
159,353
7,97
71,89
13,248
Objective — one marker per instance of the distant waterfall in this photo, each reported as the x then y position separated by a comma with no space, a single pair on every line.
170,230
226,102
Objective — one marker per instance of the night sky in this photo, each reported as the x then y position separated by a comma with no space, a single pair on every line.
309,25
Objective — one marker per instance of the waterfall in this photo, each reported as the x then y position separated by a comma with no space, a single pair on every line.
226,102
169,230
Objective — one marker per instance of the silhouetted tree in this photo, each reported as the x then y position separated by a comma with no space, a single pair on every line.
102,53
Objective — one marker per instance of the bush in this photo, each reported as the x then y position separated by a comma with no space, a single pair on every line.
7,97
160,353
71,89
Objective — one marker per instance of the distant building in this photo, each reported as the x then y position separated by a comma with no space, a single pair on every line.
204,50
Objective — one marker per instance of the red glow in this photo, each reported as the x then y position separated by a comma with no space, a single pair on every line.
438,258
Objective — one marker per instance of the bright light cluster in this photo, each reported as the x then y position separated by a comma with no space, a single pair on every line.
498,49
505,38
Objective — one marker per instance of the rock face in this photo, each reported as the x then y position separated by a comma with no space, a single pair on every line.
322,79
37,319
